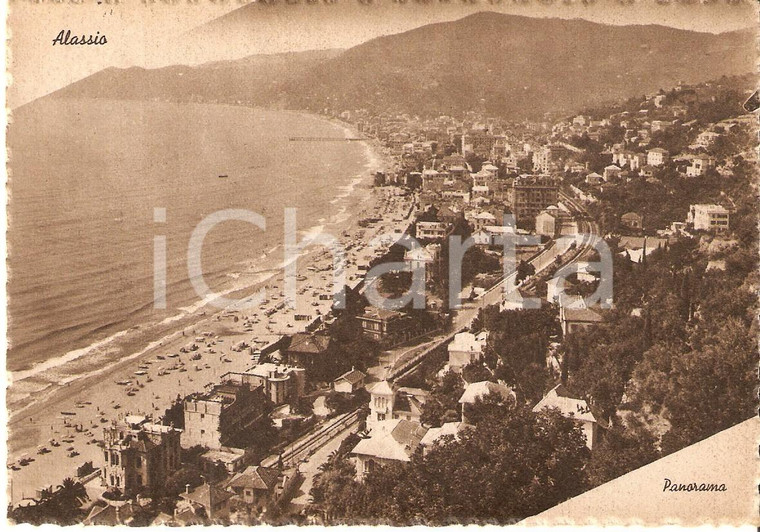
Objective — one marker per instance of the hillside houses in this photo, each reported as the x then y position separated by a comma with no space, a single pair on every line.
393,440
390,402
574,408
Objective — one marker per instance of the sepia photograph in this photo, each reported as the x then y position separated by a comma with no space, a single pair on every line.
382,262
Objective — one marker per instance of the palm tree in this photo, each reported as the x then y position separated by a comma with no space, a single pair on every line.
72,492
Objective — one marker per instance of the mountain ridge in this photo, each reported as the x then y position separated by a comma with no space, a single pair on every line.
500,64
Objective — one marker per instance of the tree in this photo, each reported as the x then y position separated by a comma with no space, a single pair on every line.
333,492
622,448
442,404
61,506
712,386
524,270
514,464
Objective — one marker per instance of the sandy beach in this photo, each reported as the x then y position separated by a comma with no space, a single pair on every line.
155,373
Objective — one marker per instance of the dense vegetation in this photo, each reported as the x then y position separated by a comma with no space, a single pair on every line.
512,464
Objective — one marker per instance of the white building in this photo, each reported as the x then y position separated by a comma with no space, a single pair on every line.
432,230
389,403
657,157
708,217
389,441
699,165
465,349
573,408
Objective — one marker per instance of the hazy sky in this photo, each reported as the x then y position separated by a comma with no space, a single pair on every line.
150,34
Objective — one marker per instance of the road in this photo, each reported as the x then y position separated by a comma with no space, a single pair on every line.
313,449
585,236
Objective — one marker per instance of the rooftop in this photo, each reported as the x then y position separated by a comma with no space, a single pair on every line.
478,390
395,439
560,398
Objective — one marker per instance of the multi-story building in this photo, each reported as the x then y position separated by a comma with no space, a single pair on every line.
708,217
465,349
657,157
551,220
388,402
533,193
572,407
216,417
280,383
139,454
480,142
432,230
546,159
385,325
699,165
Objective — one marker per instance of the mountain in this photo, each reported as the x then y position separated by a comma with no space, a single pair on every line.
508,65
253,80
517,66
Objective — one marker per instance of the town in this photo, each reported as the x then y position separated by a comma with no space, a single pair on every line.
485,411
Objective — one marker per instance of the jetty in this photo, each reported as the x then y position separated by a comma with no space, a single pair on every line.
326,139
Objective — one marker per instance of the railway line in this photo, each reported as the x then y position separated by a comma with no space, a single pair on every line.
311,441
587,232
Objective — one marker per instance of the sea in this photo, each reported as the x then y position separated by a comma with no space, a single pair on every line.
86,181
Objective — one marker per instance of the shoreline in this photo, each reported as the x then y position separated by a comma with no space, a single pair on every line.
35,423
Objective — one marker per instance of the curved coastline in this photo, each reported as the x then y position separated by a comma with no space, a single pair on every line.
139,341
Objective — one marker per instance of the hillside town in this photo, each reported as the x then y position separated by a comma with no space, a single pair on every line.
479,409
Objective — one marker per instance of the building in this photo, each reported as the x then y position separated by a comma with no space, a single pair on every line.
423,258
481,220
550,221
394,440
218,416
636,161
465,349
255,486
206,502
433,436
350,382
632,220
699,165
575,319
280,383
478,391
533,193
432,230
611,172
708,217
139,454
389,402
385,325
594,179
657,157
307,350
546,159
230,458
636,247
574,408
114,513
480,142
706,139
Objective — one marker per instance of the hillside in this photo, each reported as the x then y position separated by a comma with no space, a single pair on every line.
518,66
251,80
506,65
